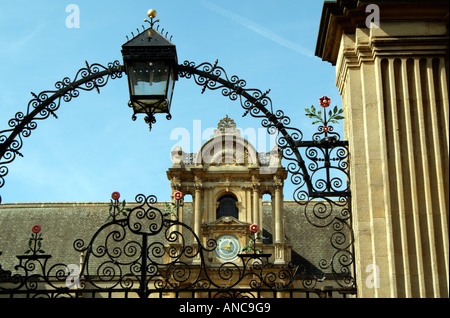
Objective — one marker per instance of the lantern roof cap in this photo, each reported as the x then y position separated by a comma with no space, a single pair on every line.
149,44
149,37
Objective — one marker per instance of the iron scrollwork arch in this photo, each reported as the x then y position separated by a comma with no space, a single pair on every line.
326,200
207,75
46,103
256,103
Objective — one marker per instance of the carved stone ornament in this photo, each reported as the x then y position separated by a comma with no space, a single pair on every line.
226,125
277,182
198,184
176,183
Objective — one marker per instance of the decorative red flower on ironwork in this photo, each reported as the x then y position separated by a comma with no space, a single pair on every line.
178,195
35,241
36,229
254,228
115,195
325,128
324,101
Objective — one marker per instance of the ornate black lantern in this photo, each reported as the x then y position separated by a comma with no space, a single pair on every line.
150,61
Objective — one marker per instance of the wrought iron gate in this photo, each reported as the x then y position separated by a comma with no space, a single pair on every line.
145,252
141,252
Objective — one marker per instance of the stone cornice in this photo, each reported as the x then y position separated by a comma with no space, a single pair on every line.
345,16
391,41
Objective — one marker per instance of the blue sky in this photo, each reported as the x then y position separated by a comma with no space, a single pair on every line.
94,148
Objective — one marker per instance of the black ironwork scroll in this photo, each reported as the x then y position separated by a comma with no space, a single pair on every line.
145,252
46,103
318,168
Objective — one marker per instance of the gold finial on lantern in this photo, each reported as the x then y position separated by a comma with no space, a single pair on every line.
151,14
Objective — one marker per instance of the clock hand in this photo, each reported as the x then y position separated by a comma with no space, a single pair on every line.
227,247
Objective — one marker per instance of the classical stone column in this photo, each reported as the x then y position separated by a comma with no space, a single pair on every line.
278,202
260,213
197,207
394,85
206,217
279,240
248,191
210,207
255,205
176,186
197,215
244,205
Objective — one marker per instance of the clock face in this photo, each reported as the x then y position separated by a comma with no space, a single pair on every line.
228,247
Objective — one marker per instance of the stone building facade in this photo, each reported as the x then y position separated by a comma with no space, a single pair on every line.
228,173
392,70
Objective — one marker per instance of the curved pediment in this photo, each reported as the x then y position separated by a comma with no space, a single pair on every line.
227,147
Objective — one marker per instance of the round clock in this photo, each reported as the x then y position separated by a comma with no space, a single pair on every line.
228,247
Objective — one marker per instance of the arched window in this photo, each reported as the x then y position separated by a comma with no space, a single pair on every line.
227,207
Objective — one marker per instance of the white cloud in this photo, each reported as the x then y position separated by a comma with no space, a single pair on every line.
18,43
268,34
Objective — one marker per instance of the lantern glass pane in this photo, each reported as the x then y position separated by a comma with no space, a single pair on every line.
149,78
170,88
